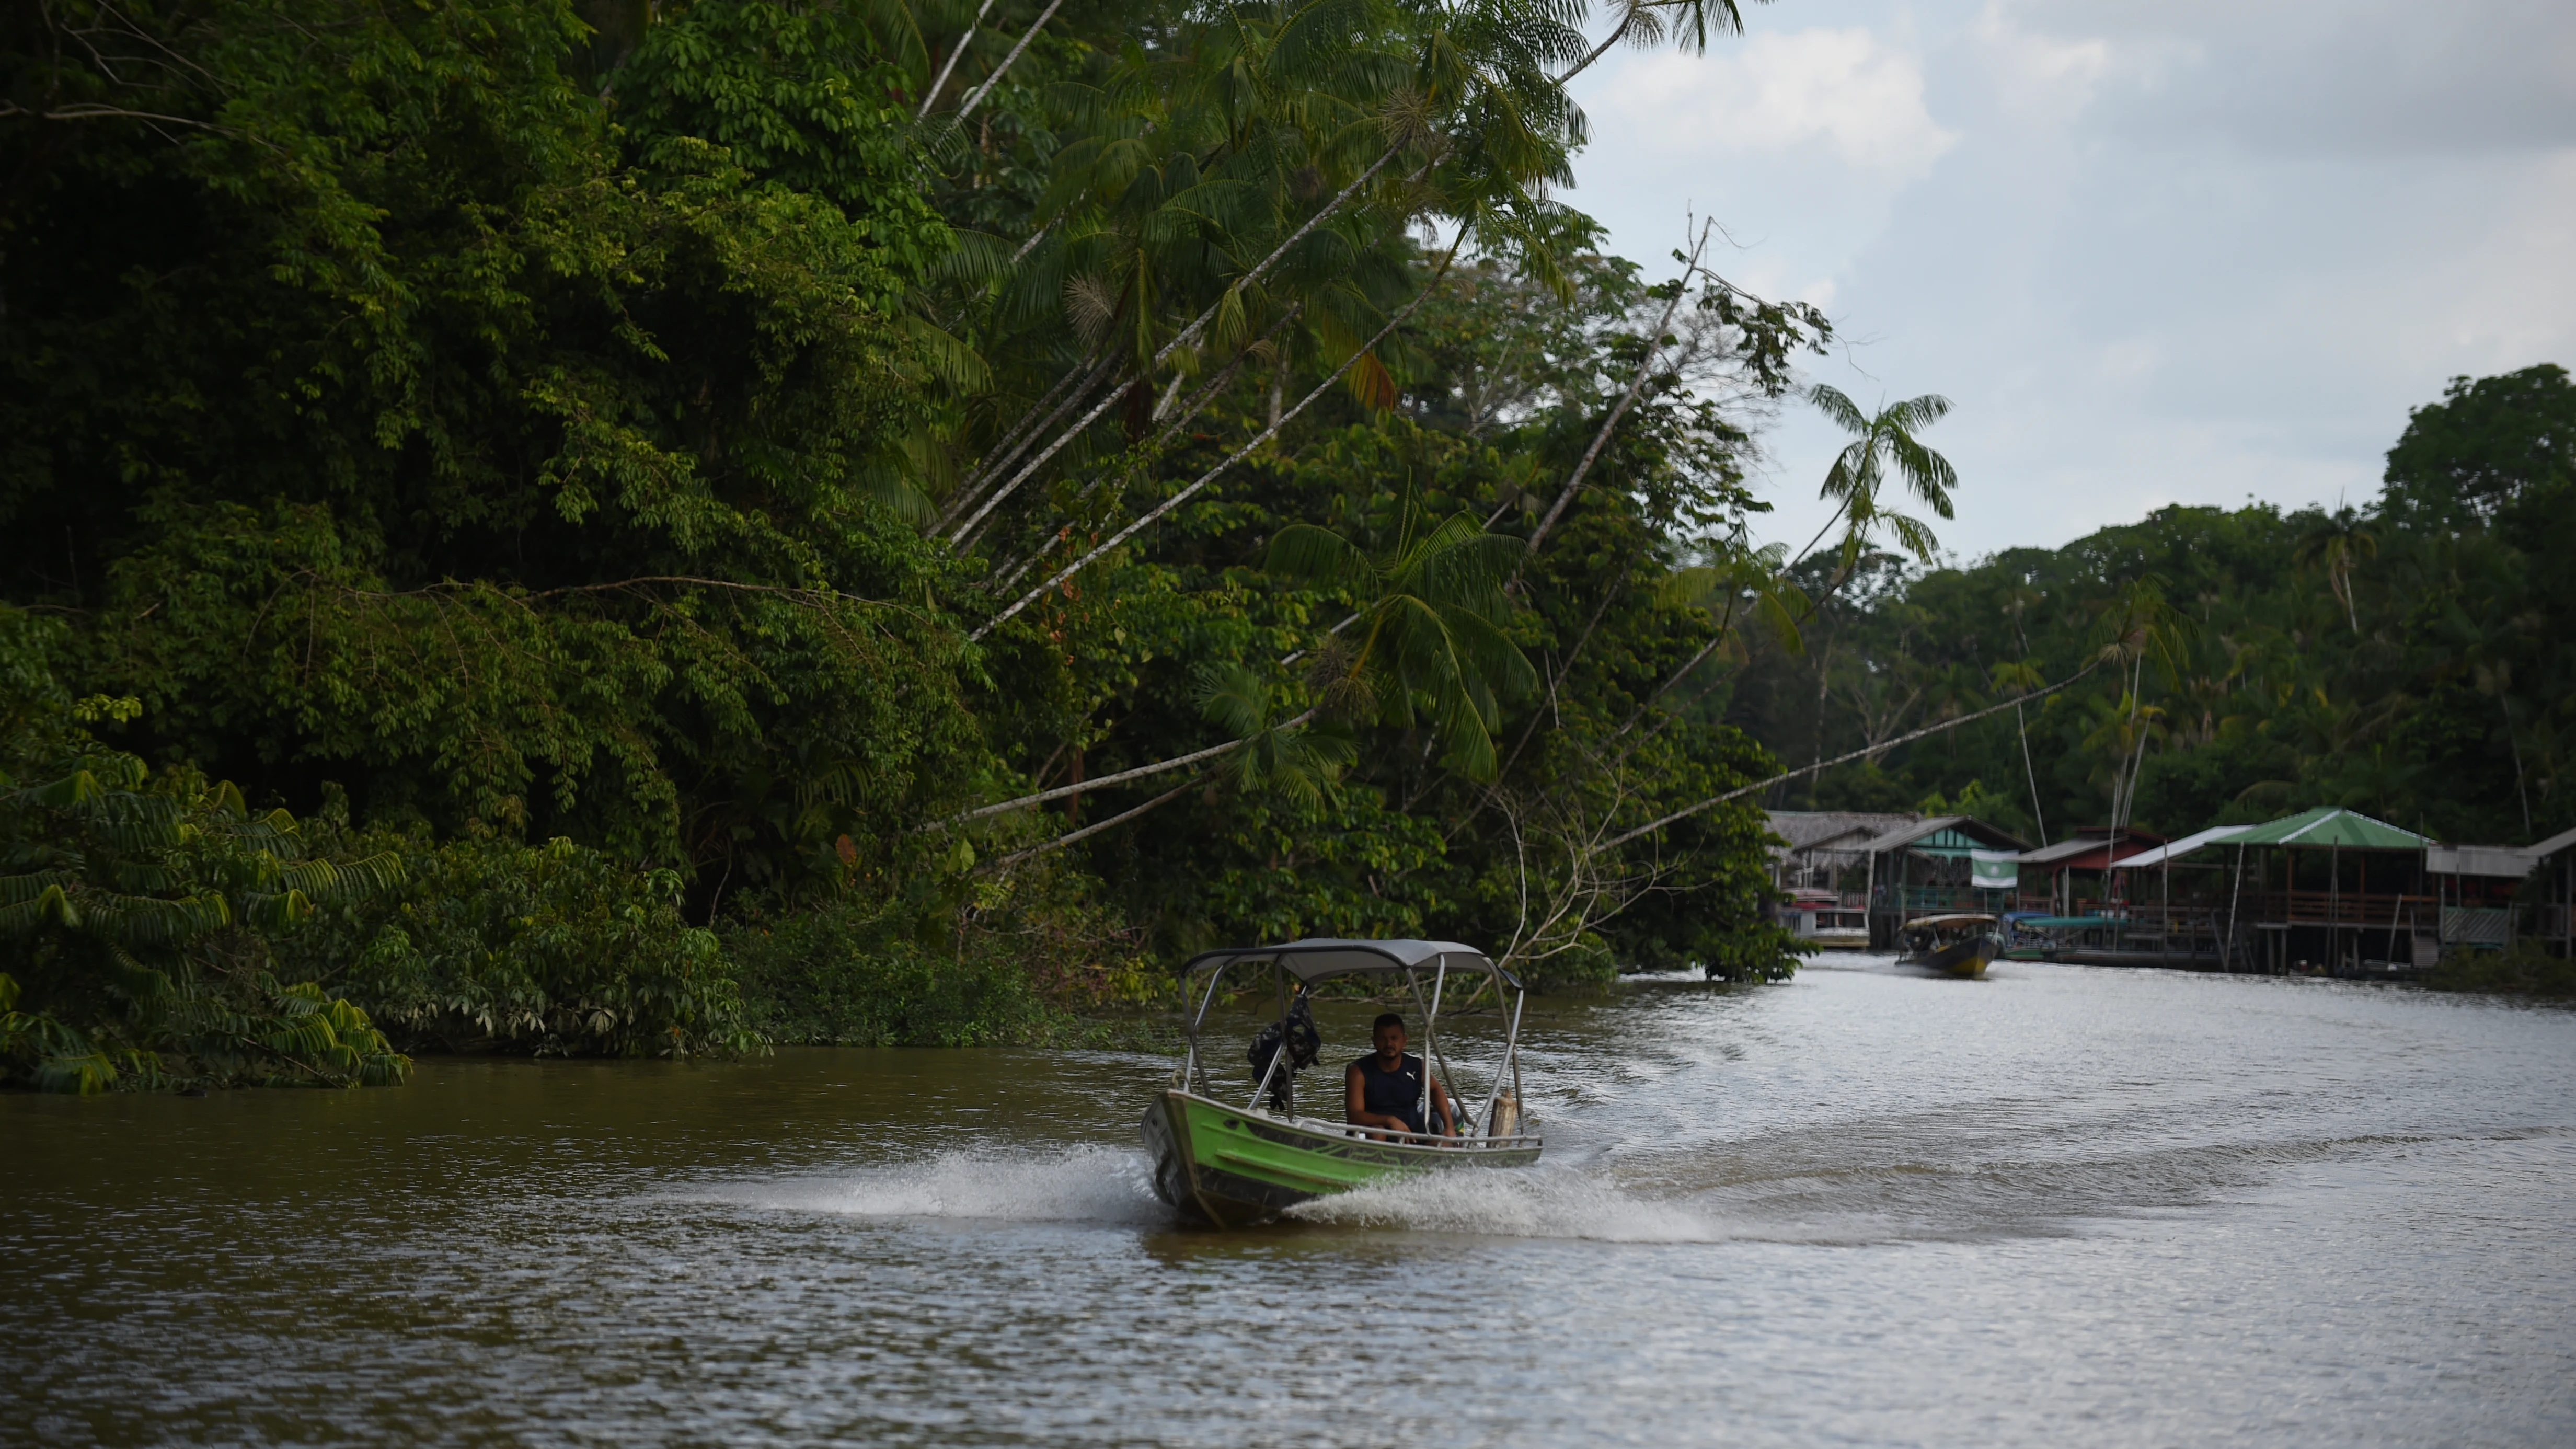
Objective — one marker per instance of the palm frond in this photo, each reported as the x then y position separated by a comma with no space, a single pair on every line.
1838,409
1307,554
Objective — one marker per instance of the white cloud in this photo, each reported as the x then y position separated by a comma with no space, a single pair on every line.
2367,77
2156,250
1842,91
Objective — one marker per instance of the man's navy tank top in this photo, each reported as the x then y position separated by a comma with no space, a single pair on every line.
1393,1094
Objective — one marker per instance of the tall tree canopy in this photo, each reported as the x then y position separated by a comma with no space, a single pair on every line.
869,465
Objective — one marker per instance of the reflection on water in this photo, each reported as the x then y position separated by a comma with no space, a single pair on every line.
2061,1205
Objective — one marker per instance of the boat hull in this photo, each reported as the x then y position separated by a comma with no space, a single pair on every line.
1963,958
1231,1168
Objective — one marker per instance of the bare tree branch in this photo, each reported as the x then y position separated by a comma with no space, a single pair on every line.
1070,836
1239,454
941,84
1636,385
1690,810
999,71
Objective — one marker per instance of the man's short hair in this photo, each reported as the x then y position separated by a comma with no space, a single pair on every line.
1384,1020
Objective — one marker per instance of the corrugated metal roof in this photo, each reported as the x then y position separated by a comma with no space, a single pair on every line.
1967,825
2185,846
1834,829
2329,825
2051,854
2509,862
2088,852
2555,843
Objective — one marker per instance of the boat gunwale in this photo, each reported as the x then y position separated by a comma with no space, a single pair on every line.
1337,1133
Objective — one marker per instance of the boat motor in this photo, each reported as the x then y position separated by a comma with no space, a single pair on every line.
1297,1028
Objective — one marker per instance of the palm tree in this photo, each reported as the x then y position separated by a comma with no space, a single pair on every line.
1880,443
2338,543
1641,22
1429,626
1281,755
2136,623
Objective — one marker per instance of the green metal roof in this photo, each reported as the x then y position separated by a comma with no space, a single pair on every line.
2329,825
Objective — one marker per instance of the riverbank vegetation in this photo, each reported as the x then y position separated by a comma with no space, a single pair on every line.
2526,969
622,527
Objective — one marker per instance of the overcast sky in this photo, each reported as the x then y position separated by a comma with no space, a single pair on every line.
2179,251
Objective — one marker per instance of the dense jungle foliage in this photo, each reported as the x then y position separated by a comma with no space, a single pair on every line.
2410,659
652,526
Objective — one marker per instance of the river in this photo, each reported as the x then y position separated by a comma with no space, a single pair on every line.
2064,1205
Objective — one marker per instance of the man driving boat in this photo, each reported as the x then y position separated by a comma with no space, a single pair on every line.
1386,1090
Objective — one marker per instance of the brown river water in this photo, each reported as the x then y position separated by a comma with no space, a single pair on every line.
2062,1206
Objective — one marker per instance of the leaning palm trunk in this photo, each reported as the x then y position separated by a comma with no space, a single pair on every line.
1072,837
1171,429
1011,445
1191,333
999,71
936,86
1102,782
958,538
1636,385
1738,793
1237,456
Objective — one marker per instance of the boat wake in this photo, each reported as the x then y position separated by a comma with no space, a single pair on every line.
1518,1204
1083,1183
1111,1186
1581,1202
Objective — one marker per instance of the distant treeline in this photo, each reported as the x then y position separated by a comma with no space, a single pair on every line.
2414,659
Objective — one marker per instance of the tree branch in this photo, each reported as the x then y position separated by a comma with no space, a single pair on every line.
1636,385
1104,781
999,71
940,84
1069,837
1239,454
1737,794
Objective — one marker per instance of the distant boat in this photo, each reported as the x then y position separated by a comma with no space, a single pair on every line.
1959,945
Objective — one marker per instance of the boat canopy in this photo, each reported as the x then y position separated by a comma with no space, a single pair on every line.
1963,918
1320,958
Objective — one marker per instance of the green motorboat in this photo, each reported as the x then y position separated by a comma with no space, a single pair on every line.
1233,1165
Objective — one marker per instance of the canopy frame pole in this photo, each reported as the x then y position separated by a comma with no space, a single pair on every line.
1511,1057
1190,1064
1433,1061
1278,1054
1422,1093
1276,1057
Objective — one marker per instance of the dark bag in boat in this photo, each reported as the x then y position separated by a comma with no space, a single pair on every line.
1304,1044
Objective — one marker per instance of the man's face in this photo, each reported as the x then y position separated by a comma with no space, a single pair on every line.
1390,1041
